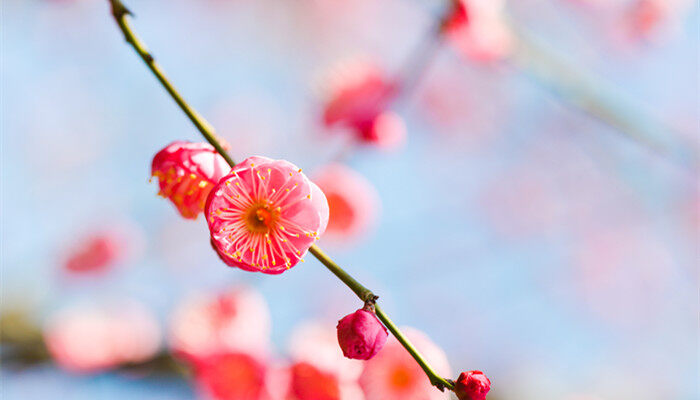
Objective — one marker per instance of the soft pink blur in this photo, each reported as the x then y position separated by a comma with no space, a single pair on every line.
319,371
92,338
358,99
478,30
394,374
352,201
233,321
232,376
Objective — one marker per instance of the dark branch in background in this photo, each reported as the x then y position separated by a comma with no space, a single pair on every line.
23,346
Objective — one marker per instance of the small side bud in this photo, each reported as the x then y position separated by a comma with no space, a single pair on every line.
361,335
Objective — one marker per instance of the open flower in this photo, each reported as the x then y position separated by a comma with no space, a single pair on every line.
265,215
210,324
477,29
186,174
394,374
92,338
352,200
359,98
232,376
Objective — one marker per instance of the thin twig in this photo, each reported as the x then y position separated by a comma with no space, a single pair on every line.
120,13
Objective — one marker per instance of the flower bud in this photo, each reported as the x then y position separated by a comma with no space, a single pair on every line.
361,335
472,385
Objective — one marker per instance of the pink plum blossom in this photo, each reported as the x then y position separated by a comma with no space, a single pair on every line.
92,338
394,374
94,253
265,215
359,96
186,174
208,324
360,335
319,371
98,250
477,29
352,201
472,385
232,376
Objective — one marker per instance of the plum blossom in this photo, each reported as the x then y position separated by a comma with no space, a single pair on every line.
352,201
100,249
472,385
477,29
205,325
232,376
358,99
394,374
93,338
265,215
319,371
186,173
94,253
360,335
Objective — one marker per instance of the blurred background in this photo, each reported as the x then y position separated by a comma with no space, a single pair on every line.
525,234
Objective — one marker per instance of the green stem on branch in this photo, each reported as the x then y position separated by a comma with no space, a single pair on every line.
120,12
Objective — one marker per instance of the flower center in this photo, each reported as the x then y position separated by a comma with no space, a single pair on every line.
401,378
261,218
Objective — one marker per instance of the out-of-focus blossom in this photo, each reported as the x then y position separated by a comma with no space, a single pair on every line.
358,99
95,338
233,321
394,374
102,248
646,18
186,174
478,30
265,215
622,273
472,385
639,20
352,201
232,376
360,335
94,253
319,371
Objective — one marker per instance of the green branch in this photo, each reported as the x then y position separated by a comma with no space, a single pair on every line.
120,13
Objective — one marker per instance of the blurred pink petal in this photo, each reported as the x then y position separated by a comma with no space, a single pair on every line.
478,30
353,202
394,374
234,321
232,376
94,253
265,215
359,96
93,338
319,370
622,273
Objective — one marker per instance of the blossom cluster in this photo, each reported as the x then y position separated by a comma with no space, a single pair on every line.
224,338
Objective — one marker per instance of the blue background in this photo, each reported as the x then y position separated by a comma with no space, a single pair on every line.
484,218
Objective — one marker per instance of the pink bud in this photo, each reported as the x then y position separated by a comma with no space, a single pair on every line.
472,385
361,335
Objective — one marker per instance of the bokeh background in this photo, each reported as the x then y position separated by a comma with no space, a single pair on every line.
525,237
